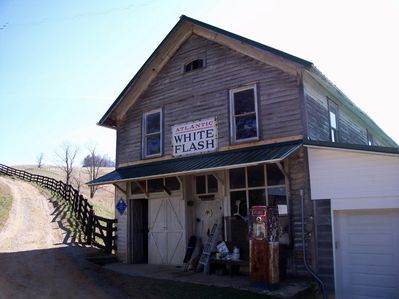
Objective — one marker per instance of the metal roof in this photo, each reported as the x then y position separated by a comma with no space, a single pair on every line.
200,163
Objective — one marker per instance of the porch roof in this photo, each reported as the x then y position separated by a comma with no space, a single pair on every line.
207,162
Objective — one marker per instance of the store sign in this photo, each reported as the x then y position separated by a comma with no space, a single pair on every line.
194,137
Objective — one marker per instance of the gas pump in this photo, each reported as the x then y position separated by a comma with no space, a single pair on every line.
264,246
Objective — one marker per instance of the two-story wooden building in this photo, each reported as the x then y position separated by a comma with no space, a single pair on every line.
214,123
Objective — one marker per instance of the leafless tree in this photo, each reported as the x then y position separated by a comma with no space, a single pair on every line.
77,181
95,161
66,155
39,160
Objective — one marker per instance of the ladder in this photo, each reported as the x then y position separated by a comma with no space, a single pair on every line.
208,248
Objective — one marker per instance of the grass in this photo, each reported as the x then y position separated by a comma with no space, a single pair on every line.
5,204
103,200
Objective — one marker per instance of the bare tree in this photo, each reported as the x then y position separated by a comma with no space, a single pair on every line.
66,155
77,181
93,167
39,160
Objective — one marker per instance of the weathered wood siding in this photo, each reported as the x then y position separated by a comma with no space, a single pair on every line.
205,93
351,129
296,167
324,242
122,233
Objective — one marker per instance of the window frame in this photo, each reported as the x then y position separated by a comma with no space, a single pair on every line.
233,131
370,138
333,109
206,175
144,134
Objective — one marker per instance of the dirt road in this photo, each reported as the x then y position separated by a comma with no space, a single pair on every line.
34,262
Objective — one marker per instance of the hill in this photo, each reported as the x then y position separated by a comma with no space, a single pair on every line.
103,200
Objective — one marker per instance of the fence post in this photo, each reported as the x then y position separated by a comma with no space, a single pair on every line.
108,239
89,227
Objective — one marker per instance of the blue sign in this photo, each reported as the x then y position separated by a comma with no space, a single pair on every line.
121,206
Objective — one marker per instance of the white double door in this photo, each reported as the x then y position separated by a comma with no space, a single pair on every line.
166,233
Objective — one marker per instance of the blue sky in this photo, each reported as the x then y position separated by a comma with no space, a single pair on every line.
63,63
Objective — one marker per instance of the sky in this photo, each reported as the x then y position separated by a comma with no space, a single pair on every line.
63,63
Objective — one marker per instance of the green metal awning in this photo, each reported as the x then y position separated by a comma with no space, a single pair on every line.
207,162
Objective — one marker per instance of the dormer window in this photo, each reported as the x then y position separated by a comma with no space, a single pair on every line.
194,65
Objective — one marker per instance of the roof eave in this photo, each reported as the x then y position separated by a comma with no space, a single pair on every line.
316,74
298,62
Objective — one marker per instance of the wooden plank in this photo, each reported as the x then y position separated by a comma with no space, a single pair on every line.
192,96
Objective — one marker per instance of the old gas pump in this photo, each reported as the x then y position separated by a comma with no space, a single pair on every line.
264,247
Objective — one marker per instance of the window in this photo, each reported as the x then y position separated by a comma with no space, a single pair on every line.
194,65
152,134
155,185
370,139
259,185
244,114
333,117
206,184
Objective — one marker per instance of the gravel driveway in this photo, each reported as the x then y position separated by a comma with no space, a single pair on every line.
34,262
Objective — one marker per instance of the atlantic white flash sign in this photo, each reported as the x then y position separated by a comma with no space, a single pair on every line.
194,137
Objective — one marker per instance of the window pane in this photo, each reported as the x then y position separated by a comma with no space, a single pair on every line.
237,178
257,197
134,189
333,120
244,101
277,196
238,203
172,183
153,123
256,176
155,185
200,184
153,144
246,126
212,184
274,175
334,135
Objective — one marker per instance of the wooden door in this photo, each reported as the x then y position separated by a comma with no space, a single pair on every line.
139,229
166,231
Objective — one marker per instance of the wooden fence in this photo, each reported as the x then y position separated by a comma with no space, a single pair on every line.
99,231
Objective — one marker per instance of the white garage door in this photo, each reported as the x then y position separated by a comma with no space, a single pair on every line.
367,254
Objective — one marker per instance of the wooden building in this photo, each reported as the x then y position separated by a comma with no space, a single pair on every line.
214,123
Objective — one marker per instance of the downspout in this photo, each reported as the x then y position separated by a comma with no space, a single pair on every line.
308,268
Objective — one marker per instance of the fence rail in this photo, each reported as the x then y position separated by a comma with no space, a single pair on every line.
99,231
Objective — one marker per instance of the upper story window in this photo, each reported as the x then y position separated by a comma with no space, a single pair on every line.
370,139
152,133
194,65
333,117
244,114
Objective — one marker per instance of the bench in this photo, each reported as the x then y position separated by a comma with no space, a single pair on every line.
231,266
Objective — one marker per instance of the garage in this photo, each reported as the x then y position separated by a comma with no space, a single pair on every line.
361,187
367,253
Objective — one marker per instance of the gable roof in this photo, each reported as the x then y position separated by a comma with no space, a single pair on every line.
170,44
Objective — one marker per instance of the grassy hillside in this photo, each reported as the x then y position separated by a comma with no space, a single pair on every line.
103,200
5,203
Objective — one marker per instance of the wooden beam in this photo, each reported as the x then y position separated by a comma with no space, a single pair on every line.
120,189
219,179
142,188
166,190
282,170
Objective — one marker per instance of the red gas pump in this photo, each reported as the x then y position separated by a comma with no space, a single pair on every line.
264,245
